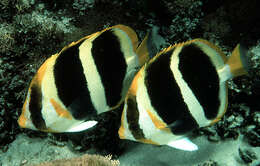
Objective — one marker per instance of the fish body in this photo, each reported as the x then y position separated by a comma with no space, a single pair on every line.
87,77
182,88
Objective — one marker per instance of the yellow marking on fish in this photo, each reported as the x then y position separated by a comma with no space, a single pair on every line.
49,130
42,71
121,131
148,141
37,79
158,123
60,111
22,119
133,88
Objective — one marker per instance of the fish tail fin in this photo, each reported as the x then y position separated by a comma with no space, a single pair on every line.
236,65
238,62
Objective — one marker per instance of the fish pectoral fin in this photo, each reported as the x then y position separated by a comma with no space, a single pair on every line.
183,144
82,126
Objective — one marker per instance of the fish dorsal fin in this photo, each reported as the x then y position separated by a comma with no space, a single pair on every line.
130,33
128,43
82,126
183,144
208,44
217,57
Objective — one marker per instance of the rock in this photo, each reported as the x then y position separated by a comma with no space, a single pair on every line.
231,134
247,156
253,138
214,138
209,163
256,118
235,121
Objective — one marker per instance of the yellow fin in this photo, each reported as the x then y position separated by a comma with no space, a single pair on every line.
238,61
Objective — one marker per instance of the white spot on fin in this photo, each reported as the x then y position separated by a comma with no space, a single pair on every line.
82,126
183,144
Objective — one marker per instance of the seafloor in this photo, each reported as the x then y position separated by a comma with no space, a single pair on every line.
31,31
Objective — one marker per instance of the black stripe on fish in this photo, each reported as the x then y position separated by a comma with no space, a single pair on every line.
35,107
201,76
71,83
132,116
166,97
111,65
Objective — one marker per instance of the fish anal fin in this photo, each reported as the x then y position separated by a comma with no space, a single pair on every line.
183,144
82,126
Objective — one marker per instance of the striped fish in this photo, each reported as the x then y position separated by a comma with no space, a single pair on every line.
182,88
86,78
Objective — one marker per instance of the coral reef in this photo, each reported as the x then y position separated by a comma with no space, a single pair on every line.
6,38
88,160
187,17
82,5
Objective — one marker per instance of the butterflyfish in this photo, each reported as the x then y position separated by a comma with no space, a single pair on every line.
182,88
86,78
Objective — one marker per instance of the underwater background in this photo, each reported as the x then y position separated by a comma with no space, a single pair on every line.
31,31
